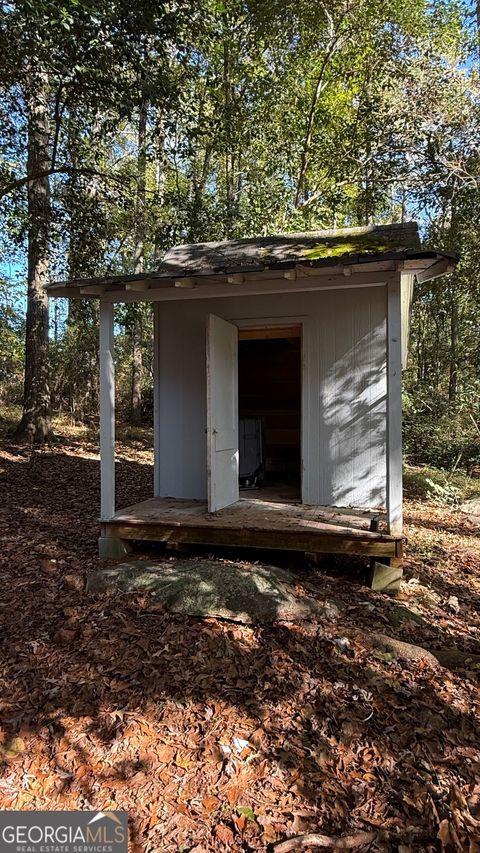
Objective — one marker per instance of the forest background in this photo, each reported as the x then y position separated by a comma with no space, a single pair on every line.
126,128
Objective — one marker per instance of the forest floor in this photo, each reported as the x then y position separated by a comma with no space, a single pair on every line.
219,736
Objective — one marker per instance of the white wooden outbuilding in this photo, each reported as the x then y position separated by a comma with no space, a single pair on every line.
302,334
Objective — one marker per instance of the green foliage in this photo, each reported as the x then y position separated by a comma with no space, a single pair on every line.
247,812
123,354
443,486
260,118
445,494
439,434
11,347
442,382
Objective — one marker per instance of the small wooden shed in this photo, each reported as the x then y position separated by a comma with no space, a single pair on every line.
299,338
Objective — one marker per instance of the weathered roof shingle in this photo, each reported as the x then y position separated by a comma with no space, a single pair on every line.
282,249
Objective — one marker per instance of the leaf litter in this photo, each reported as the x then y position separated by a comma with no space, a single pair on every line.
219,736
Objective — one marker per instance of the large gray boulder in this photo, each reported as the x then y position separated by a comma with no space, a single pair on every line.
258,593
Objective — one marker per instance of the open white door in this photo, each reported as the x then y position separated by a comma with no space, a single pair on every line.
222,413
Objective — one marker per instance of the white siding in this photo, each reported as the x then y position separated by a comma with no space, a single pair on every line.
344,387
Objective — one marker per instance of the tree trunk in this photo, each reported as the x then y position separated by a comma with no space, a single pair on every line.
139,264
477,15
229,165
34,426
137,367
334,43
139,253
159,186
453,377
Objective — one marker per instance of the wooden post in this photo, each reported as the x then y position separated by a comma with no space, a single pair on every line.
107,412
394,409
156,399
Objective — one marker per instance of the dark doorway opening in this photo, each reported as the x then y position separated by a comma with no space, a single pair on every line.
269,403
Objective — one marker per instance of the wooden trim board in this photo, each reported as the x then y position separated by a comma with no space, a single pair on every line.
394,410
267,333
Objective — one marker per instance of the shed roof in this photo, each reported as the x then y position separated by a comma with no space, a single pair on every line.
306,251
310,247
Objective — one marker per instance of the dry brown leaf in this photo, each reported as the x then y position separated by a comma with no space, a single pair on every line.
183,760
165,753
13,748
224,834
240,821
64,636
446,835
233,794
210,803
74,582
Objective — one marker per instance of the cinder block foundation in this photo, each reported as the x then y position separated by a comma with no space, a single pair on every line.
385,578
111,548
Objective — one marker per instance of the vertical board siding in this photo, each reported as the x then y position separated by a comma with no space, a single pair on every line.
351,386
343,394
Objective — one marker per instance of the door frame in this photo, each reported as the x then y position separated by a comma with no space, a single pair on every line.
280,322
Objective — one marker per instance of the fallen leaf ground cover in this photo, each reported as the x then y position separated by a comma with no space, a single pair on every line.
217,736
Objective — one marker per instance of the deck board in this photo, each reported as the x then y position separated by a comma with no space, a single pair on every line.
254,522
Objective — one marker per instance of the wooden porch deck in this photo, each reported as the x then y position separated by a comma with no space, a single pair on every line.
258,523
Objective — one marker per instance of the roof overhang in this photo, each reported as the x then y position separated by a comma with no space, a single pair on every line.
349,270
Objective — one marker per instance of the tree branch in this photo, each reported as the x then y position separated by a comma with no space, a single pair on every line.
314,839
58,113
334,44
63,169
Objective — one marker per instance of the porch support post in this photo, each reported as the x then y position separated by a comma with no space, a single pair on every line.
107,411
394,409
156,399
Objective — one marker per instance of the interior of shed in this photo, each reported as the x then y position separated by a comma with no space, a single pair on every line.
269,398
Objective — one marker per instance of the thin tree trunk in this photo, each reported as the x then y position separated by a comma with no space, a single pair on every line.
56,320
159,184
368,206
137,366
477,14
139,254
333,45
199,184
139,265
230,219
34,426
453,378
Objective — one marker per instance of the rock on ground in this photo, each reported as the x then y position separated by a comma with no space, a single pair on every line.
471,508
260,593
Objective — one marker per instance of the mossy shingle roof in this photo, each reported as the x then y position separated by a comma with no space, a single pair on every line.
346,246
311,247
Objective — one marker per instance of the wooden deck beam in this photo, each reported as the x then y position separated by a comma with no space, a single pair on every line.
334,543
253,524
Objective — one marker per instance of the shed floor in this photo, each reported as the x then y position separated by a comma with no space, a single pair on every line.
254,522
276,492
